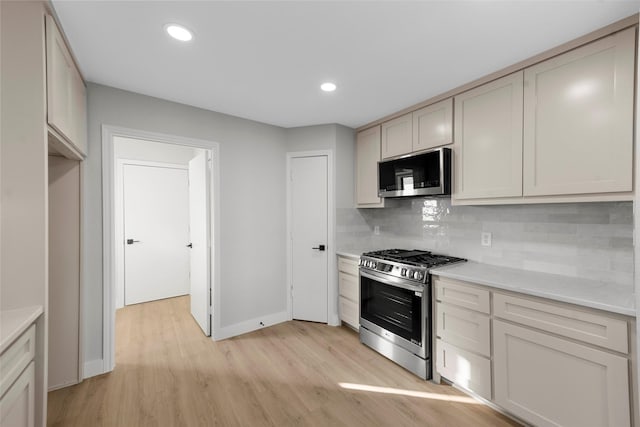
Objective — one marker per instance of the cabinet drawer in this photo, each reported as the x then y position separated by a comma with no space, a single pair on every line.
591,328
466,369
348,286
16,357
463,295
348,265
464,328
350,312
17,406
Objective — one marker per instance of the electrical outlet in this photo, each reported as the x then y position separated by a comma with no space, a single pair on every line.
485,239
376,230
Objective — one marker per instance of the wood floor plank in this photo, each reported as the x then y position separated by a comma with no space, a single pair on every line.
292,374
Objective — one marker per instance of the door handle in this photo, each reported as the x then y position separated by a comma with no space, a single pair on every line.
190,245
131,241
320,248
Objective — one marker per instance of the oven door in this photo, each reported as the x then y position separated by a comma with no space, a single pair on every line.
396,310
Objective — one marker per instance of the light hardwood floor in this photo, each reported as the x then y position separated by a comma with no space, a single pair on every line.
292,374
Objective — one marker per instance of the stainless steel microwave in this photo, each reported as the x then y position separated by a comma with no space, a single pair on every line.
417,174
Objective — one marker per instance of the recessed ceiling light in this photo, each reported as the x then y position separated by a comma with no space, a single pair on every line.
328,87
178,32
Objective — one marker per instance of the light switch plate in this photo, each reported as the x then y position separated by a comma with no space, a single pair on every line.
376,230
485,239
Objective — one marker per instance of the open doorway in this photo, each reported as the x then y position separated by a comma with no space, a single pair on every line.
160,219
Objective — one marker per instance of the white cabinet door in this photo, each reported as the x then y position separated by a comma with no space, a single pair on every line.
433,125
549,381
59,81
17,407
367,158
578,120
397,136
488,140
79,112
66,94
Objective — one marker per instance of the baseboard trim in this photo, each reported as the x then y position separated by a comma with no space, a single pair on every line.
63,385
93,368
250,325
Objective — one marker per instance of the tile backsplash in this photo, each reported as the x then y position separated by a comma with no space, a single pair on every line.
589,240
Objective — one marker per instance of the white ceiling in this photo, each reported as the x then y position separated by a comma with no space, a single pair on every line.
265,60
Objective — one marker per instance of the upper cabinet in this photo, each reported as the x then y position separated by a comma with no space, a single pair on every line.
488,140
433,125
560,130
397,136
578,120
367,158
429,127
66,94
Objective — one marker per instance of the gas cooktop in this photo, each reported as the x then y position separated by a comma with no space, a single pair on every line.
408,264
414,257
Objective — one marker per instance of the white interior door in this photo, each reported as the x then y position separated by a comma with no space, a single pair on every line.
156,227
199,232
309,225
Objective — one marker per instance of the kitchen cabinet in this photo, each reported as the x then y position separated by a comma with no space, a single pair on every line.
560,128
578,119
488,140
66,93
433,125
367,158
463,344
550,363
349,291
397,136
17,406
549,381
17,380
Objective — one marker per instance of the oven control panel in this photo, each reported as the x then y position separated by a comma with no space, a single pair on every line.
415,274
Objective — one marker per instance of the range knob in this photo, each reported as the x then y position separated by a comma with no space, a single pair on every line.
403,272
417,275
374,264
409,273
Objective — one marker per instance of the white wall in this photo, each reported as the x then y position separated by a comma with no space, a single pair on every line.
252,205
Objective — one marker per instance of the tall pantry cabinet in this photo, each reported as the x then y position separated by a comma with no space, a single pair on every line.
26,285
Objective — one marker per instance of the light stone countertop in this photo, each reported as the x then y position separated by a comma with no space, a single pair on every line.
584,292
14,322
350,253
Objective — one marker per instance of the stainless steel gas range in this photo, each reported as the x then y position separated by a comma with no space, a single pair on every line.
395,305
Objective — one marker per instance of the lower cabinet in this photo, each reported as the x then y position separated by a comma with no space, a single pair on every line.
349,291
545,362
17,405
550,381
464,368
17,381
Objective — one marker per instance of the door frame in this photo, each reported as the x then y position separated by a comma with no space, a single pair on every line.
108,227
332,284
119,259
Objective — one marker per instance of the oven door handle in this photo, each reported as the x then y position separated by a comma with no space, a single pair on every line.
392,281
